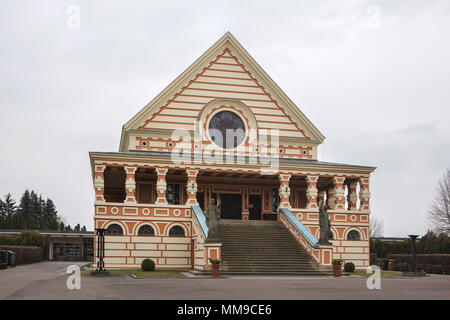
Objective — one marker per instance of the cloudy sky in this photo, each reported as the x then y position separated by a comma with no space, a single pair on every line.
373,76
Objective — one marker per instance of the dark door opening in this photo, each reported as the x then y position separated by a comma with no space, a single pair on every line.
230,206
201,200
254,207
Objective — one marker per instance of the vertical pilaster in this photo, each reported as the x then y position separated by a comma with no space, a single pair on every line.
364,194
191,187
130,184
339,193
99,183
311,192
161,186
351,196
284,190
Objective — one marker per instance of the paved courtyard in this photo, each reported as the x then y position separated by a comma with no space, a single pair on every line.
47,280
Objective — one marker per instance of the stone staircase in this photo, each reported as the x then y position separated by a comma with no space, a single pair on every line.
262,248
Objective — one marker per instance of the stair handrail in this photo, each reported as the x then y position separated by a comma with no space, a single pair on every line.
201,219
300,227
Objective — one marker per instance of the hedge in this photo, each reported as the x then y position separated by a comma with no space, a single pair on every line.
25,238
430,263
25,254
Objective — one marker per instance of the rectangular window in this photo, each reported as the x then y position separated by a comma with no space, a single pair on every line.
173,193
275,200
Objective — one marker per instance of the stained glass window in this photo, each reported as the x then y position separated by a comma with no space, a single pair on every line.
226,129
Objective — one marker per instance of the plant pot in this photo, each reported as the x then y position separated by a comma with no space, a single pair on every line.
215,269
337,270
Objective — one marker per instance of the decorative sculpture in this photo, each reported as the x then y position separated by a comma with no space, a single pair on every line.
324,223
212,218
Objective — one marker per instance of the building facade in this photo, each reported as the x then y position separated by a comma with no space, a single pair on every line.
223,130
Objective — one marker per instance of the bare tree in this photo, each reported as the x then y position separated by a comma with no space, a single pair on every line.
376,228
439,212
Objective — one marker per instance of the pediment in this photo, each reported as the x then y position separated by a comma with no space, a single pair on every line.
224,72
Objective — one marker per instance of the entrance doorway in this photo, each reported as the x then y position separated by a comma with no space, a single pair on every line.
254,207
230,206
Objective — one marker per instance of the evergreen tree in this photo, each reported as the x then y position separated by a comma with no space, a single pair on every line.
2,215
10,210
22,219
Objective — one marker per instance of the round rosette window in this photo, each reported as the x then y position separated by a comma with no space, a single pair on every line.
226,129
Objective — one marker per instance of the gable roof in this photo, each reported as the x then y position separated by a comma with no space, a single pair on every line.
226,47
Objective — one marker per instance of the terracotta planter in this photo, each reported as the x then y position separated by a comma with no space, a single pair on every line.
215,269
337,270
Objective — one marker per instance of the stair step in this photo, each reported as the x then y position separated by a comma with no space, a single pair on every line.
262,248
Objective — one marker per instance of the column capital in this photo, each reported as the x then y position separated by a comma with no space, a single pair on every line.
161,171
312,179
130,169
284,177
192,173
99,168
338,180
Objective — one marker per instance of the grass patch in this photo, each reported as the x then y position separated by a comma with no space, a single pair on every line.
146,274
384,274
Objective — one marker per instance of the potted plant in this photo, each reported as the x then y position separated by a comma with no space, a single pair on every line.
215,265
337,265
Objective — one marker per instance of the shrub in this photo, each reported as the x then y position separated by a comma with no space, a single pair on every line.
430,263
337,262
148,265
349,267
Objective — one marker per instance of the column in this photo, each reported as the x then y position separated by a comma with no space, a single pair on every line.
191,187
339,202
99,183
130,184
351,196
364,194
161,186
311,192
284,190
245,205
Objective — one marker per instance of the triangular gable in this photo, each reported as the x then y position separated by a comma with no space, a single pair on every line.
226,70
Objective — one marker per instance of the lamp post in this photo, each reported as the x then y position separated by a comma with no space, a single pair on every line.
413,244
100,253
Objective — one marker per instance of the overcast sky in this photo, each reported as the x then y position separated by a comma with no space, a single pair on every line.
373,76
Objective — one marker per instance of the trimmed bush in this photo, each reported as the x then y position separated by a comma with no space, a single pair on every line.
349,267
148,265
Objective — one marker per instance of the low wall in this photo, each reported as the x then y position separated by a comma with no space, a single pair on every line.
25,254
430,263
